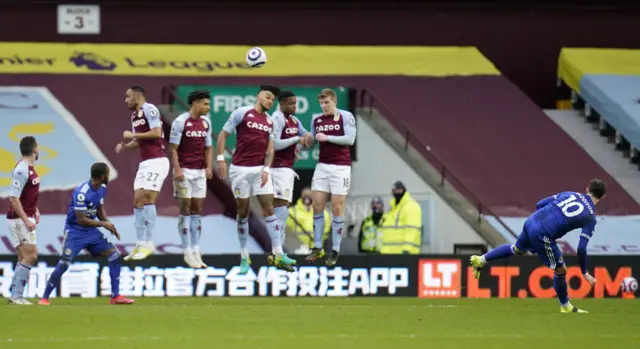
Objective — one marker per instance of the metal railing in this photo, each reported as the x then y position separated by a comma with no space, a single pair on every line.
367,99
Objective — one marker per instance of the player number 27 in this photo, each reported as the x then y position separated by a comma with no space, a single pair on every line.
152,177
570,207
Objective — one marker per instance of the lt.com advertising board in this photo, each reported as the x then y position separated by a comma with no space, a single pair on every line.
356,276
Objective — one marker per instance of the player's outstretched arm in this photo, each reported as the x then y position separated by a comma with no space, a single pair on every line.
349,137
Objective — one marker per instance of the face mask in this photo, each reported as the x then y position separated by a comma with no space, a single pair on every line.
307,201
398,196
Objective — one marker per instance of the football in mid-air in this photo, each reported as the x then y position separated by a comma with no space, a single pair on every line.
629,285
256,57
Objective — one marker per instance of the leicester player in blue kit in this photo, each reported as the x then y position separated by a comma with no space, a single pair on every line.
555,216
81,232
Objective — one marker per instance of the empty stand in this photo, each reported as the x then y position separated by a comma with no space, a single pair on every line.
503,148
605,87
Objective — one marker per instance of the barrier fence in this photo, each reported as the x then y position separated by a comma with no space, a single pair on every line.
441,276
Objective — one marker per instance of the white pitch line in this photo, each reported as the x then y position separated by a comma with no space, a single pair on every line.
218,336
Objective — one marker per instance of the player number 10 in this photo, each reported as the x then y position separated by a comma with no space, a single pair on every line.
567,204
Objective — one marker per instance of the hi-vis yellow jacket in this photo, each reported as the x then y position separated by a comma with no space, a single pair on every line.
402,227
304,217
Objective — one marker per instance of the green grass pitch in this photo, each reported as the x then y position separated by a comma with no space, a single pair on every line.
368,323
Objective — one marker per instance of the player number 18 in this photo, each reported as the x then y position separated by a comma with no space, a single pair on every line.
567,205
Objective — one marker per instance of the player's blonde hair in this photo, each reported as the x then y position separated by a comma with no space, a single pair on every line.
328,93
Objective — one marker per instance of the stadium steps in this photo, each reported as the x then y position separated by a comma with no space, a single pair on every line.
467,211
600,147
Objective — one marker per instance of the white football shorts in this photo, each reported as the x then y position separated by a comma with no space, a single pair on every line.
194,185
246,180
151,174
334,179
20,235
283,180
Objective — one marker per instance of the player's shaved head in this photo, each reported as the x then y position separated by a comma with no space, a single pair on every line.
28,146
597,188
100,171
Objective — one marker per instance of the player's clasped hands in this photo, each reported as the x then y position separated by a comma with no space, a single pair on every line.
590,279
306,140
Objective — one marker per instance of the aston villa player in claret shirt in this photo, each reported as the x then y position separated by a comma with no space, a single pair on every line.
146,135
192,160
289,133
250,171
22,217
335,130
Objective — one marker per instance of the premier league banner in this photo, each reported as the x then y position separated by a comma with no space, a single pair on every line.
355,276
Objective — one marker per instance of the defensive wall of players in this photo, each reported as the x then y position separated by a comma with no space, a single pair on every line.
433,276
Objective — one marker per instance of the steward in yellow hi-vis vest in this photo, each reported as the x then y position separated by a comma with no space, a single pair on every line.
302,213
370,238
402,225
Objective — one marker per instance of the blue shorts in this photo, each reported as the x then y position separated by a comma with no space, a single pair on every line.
76,241
532,239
